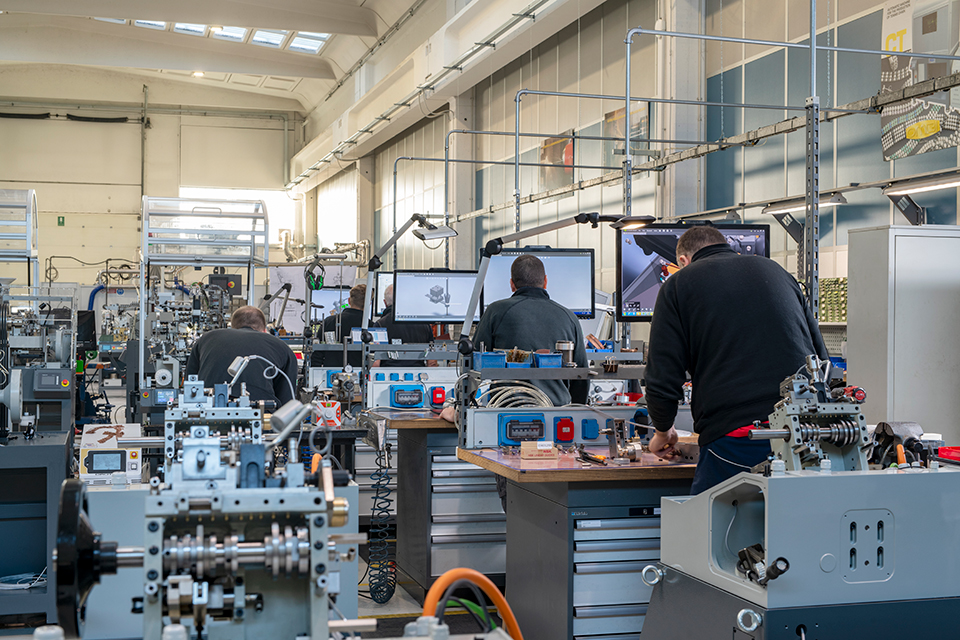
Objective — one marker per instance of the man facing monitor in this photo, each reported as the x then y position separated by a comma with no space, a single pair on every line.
343,324
740,326
531,321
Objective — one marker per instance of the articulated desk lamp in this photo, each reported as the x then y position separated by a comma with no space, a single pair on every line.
425,231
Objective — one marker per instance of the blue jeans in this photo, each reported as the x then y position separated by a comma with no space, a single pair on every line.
725,458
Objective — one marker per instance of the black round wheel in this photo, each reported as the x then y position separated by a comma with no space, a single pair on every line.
81,557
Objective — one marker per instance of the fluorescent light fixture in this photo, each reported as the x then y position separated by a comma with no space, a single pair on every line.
632,223
433,232
190,28
920,185
216,28
266,38
151,24
198,74
800,204
233,34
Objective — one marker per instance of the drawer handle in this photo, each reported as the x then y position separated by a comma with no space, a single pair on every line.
463,488
643,544
469,517
482,537
609,612
588,568
461,473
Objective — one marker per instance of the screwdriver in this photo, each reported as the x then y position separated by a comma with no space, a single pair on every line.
593,457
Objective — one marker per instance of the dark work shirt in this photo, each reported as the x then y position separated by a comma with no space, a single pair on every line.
413,333
530,320
740,326
350,319
215,350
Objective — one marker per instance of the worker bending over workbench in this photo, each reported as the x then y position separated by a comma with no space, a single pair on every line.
740,326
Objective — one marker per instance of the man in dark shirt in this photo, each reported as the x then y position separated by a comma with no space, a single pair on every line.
215,350
740,326
406,333
531,321
343,324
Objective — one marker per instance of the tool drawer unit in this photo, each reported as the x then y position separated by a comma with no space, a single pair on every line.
576,551
448,513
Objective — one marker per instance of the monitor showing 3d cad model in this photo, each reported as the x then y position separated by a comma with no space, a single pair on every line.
647,256
432,296
333,300
569,277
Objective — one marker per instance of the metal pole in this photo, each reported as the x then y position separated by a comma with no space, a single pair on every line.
808,259
516,169
627,152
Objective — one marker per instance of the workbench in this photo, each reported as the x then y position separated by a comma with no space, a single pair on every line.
448,511
578,537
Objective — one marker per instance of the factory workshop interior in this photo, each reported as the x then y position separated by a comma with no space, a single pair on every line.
479,319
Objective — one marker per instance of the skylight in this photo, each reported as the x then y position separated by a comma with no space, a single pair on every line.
113,20
234,34
308,42
190,28
269,38
150,24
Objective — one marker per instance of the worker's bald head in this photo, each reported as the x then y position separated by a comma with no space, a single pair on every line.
248,318
388,296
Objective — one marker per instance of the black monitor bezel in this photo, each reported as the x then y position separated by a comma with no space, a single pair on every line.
548,250
620,232
432,272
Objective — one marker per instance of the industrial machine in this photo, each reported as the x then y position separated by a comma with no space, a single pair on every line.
232,539
815,545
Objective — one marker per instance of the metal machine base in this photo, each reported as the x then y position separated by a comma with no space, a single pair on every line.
682,607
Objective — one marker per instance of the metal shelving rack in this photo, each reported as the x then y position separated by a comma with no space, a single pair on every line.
191,232
18,230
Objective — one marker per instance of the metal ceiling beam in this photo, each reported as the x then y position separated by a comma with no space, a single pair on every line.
322,16
59,40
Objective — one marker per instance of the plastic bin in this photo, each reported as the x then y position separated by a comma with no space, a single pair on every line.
489,360
548,360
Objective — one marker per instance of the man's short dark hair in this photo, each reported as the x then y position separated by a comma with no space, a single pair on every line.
527,271
696,238
248,318
357,295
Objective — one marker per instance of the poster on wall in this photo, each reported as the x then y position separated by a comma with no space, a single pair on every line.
557,152
613,128
918,126
292,317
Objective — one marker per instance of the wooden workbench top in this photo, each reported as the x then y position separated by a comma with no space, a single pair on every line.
410,419
567,468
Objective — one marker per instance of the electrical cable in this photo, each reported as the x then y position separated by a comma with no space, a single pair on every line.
474,611
276,369
23,581
490,589
448,596
383,572
730,462
726,537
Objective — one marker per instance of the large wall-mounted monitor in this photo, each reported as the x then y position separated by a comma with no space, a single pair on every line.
569,277
647,256
432,296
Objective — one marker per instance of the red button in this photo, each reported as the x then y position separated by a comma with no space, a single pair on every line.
564,430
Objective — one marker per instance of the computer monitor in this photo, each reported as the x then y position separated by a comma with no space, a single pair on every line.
569,277
331,299
432,296
647,256
384,280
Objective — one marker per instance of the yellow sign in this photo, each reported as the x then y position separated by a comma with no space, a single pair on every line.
923,129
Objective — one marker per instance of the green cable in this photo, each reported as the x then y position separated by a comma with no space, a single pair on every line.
476,609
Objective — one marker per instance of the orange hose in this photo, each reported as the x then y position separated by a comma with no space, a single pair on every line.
443,583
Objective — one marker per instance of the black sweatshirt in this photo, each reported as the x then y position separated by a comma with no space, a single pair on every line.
350,319
215,350
530,320
740,326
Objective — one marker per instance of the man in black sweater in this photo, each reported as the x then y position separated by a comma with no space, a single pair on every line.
530,320
215,350
343,324
740,326
406,333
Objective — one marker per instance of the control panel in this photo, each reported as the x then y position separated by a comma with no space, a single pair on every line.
563,425
413,388
52,383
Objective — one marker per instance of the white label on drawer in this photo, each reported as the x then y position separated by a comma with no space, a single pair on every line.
656,510
588,524
545,446
441,474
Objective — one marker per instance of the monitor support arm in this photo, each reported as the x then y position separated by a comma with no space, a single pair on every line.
493,247
376,262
